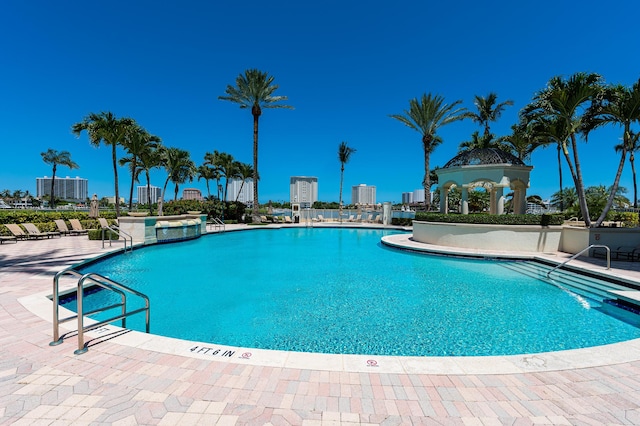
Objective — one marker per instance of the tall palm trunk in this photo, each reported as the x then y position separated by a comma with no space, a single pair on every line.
614,187
239,191
256,111
560,179
341,182
426,182
134,166
146,172
635,182
52,197
576,174
115,175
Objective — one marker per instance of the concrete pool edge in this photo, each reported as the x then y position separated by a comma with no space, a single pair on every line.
40,305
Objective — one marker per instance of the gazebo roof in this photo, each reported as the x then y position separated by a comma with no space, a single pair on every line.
483,156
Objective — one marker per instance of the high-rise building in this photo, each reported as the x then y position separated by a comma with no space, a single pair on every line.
303,190
241,190
363,195
155,191
418,196
72,189
407,198
191,194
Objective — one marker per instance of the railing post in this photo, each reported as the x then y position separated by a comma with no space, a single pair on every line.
79,296
56,300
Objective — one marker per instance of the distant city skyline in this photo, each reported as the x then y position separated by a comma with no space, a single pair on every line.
343,84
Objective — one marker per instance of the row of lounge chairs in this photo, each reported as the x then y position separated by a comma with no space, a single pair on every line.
352,218
276,219
33,233
631,253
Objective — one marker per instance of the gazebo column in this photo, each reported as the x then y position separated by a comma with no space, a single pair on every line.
465,199
499,199
521,206
492,200
444,200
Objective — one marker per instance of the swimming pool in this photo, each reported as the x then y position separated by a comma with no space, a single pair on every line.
341,291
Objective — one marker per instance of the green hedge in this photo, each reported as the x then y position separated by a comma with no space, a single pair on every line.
96,234
491,219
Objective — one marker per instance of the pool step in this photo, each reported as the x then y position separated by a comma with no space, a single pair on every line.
583,285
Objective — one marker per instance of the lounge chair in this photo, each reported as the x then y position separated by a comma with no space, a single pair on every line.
287,219
4,238
62,227
77,228
103,222
618,253
33,231
17,231
319,218
351,218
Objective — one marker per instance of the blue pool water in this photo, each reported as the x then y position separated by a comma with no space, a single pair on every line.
341,291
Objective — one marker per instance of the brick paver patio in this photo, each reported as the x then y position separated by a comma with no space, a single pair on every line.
118,383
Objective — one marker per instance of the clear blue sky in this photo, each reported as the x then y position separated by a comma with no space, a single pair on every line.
345,66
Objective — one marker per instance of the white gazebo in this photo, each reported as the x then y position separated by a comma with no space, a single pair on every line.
490,168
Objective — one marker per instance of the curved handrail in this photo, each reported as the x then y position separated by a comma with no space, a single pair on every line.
108,284
56,300
120,232
582,251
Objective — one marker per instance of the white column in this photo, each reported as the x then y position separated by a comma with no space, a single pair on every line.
444,200
500,200
465,199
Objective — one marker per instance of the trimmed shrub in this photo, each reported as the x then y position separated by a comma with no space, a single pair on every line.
401,221
628,219
96,234
490,219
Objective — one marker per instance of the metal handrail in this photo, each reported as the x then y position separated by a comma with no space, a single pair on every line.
118,231
582,251
107,284
218,223
56,301
104,283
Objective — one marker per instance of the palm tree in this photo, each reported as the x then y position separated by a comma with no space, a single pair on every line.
244,171
565,198
634,145
211,159
622,107
137,141
53,157
344,153
105,127
484,141
523,141
488,110
224,165
149,159
426,116
559,105
207,173
179,167
255,90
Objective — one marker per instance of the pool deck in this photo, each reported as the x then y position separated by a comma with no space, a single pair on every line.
133,378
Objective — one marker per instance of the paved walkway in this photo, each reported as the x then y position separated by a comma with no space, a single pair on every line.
117,382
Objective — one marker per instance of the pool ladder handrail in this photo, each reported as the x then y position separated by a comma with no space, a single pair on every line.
582,251
120,233
218,224
105,283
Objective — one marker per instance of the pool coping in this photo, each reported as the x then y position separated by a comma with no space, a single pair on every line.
41,305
